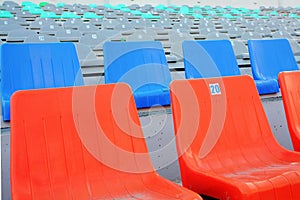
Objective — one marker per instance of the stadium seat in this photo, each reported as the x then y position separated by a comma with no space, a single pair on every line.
73,23
290,87
209,58
51,29
51,15
143,66
31,66
86,56
68,35
217,36
5,14
295,47
19,35
213,58
250,35
69,15
40,38
176,40
226,147
240,49
93,40
269,57
282,34
142,35
88,29
91,15
36,25
83,143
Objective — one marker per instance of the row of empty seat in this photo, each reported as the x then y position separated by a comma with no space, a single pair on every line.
87,142
142,65
228,150
62,10
171,27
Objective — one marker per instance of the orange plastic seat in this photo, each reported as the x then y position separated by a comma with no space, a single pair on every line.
290,90
226,145
82,143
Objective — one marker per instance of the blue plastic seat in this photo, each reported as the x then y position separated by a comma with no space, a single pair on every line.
214,58
32,66
268,58
209,58
143,66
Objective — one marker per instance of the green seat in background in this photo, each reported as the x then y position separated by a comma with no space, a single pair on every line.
291,15
137,12
197,9
36,11
197,16
184,10
150,16
170,10
49,15
244,10
27,3
91,15
160,7
60,5
119,6
5,14
30,7
229,16
92,5
274,13
207,7
235,11
43,4
107,5
69,15
221,10
125,9
211,12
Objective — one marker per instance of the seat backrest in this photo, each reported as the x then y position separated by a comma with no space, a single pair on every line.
250,35
75,142
269,57
176,39
19,35
217,36
31,66
290,90
239,48
40,39
209,58
92,39
142,65
88,28
295,47
73,23
215,118
141,35
68,34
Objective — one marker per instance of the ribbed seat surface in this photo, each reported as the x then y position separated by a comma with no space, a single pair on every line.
226,145
82,143
32,66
